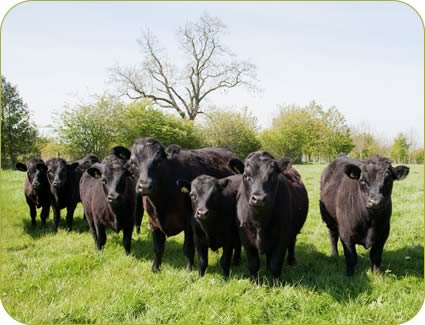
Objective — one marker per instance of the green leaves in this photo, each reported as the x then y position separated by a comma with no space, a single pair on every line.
18,131
310,131
235,130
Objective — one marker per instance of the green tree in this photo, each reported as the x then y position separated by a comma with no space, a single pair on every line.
90,128
141,120
400,149
310,132
236,131
18,132
289,134
417,156
365,145
338,135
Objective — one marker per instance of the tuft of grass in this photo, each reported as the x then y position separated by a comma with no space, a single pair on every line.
61,278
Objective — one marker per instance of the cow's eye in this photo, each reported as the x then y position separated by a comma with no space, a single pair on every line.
247,178
193,196
363,181
104,181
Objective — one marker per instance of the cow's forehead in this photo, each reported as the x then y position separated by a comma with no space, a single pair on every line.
146,148
112,163
56,163
259,161
203,182
31,164
376,167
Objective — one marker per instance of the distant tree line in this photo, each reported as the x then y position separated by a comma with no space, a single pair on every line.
309,134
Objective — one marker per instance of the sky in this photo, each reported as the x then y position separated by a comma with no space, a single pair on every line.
365,58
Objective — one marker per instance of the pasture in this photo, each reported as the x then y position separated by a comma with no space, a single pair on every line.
61,278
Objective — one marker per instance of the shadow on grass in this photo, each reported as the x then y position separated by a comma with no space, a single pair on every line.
79,225
406,261
314,270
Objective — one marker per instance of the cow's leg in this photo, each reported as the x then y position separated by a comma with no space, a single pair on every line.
158,247
203,258
101,236
33,211
226,259
376,257
378,247
253,260
188,246
92,228
236,251
44,214
70,216
139,213
333,236
350,256
291,252
126,238
333,231
56,217
275,262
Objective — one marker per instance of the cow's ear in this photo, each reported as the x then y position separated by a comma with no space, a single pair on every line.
352,171
400,172
41,167
22,167
237,166
223,183
95,170
121,152
183,185
284,164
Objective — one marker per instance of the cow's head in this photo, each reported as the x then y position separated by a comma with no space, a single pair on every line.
204,192
172,150
36,171
261,178
146,161
115,177
58,172
376,177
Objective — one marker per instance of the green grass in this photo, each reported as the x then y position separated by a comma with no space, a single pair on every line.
61,278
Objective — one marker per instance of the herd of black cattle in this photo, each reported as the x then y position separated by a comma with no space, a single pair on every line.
217,200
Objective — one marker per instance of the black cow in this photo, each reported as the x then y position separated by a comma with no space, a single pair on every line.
168,208
108,196
64,189
36,188
269,214
64,181
355,204
214,218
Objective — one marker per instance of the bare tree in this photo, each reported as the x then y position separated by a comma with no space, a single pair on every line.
209,67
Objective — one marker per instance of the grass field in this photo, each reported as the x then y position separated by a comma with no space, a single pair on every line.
61,278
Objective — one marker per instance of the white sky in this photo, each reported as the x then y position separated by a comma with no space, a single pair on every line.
366,58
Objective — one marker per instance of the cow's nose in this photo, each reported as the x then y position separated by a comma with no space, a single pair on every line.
36,185
201,213
372,202
113,196
257,199
144,188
